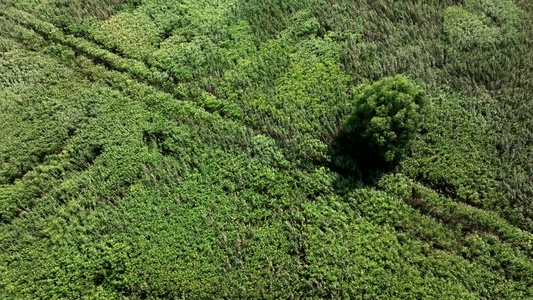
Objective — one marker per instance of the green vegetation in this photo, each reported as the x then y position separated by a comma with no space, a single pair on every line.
386,118
266,149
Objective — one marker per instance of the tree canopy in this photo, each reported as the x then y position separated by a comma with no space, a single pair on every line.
386,116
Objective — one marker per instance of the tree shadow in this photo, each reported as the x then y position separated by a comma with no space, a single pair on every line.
356,164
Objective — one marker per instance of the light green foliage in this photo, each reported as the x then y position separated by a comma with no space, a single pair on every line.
468,30
188,60
17,69
166,15
308,93
386,116
133,34
188,149
70,14
504,15
483,23
265,150
6,44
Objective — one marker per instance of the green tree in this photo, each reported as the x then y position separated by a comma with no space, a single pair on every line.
385,118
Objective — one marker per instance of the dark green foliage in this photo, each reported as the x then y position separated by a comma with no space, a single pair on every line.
386,117
188,149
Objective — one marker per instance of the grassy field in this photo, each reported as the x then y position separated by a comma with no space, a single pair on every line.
205,149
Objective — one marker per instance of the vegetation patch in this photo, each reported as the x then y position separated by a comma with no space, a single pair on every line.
266,149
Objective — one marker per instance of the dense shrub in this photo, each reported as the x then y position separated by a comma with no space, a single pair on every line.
385,117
